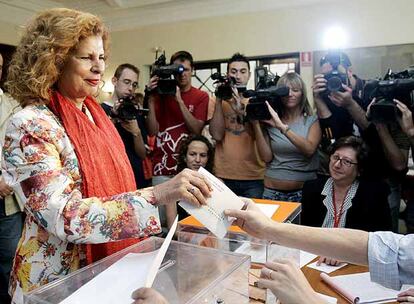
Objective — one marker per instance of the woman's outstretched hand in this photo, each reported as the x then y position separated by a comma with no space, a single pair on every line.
251,219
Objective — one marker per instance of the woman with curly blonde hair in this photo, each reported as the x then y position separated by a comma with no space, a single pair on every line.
65,160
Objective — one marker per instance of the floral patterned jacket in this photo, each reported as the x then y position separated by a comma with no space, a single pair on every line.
40,163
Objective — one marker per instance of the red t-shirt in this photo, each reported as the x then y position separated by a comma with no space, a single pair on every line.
172,128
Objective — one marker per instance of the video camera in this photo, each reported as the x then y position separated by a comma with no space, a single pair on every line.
335,78
128,110
266,90
393,86
166,84
224,86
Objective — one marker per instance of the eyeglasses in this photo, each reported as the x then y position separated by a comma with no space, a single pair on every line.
343,161
128,83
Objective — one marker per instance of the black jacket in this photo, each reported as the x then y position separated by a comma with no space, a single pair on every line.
369,211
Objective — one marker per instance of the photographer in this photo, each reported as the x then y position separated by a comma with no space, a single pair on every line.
236,160
132,131
172,118
289,143
390,162
335,120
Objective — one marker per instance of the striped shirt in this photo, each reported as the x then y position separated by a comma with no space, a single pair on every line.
391,258
328,202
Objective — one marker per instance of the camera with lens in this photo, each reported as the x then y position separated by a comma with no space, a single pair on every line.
394,86
266,90
224,85
335,79
257,109
127,109
166,83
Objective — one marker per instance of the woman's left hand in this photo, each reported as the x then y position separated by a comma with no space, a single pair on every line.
287,282
188,185
406,297
275,121
148,296
328,261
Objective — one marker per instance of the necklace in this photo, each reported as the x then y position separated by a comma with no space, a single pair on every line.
337,216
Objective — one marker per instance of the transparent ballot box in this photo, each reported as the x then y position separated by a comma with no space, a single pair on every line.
188,274
260,252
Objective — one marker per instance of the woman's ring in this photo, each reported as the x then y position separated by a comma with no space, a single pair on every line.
191,190
270,274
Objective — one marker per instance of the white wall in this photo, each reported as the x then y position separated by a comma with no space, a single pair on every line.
369,23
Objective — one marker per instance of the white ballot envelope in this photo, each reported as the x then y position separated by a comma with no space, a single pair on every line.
212,215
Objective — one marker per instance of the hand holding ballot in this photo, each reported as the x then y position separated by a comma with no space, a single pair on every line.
211,214
251,219
188,185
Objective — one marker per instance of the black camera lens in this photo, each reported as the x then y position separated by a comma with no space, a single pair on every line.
334,84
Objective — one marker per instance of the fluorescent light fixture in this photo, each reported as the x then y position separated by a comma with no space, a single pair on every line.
335,37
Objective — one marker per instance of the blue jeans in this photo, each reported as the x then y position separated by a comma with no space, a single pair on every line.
246,188
275,195
10,232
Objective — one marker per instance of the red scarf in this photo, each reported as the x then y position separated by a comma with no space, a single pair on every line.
103,162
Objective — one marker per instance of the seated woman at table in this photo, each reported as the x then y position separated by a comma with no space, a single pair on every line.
65,160
344,199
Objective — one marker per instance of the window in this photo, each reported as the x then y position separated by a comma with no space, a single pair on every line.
276,64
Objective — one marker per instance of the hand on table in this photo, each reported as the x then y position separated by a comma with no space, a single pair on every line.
406,297
328,261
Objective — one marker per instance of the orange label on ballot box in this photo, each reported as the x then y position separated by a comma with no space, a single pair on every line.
285,212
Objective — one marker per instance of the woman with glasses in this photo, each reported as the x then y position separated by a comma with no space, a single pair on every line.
344,199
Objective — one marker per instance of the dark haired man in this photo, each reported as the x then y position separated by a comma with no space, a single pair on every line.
236,158
336,122
11,215
388,145
171,119
133,132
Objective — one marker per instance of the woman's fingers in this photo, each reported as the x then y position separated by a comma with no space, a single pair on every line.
320,260
202,184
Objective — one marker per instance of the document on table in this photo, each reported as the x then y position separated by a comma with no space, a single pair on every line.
118,281
326,268
212,215
358,288
306,257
